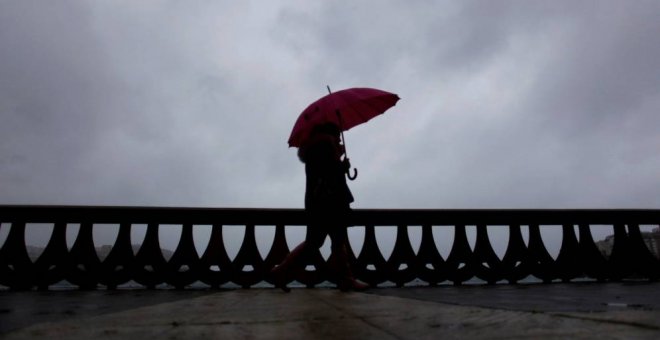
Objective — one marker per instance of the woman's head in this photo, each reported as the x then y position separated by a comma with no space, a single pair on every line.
327,131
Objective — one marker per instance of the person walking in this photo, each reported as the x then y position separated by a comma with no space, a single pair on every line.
327,204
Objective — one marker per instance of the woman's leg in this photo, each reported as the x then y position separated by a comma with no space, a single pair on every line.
295,260
345,279
285,271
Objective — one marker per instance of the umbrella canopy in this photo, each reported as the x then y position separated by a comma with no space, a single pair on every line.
346,108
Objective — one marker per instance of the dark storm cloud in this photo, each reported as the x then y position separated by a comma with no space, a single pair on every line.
49,102
504,104
122,106
595,103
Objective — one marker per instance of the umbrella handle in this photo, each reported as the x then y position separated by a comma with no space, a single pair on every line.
355,173
341,129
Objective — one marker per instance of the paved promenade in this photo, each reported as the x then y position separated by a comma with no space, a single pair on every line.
605,311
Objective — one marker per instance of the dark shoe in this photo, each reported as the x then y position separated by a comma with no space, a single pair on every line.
286,271
279,278
350,284
359,286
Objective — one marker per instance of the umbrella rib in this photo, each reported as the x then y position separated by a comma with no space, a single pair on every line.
358,111
360,107
349,105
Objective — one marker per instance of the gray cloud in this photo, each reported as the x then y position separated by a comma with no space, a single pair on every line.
514,104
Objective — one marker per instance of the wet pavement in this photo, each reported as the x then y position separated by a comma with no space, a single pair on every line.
575,310
24,308
556,297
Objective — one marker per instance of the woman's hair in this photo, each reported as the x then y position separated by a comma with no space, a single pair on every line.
328,128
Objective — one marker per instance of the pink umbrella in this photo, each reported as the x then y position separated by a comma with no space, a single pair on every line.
346,108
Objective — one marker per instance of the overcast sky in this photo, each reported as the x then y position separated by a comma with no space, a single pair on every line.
504,104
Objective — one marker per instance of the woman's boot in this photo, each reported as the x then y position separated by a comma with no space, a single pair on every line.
345,279
287,270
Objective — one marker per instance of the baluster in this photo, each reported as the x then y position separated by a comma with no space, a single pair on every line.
16,266
487,265
51,266
150,266
643,261
431,267
182,268
517,262
591,260
567,264
370,256
402,265
621,258
543,265
460,263
216,265
248,255
84,263
116,268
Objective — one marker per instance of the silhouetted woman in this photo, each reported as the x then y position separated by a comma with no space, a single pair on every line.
327,201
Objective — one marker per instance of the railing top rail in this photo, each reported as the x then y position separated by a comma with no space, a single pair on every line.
271,216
